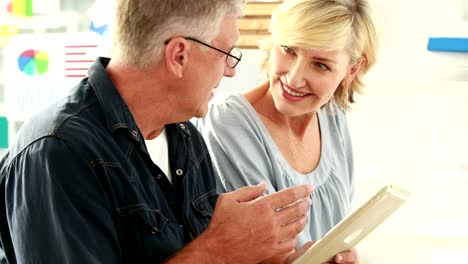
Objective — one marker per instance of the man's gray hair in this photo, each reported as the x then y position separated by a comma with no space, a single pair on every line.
142,26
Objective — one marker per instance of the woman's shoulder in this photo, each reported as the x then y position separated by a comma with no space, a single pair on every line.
229,118
332,112
228,107
233,100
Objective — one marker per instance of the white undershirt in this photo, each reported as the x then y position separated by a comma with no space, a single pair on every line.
158,151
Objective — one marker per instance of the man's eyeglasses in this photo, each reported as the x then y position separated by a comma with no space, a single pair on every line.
232,58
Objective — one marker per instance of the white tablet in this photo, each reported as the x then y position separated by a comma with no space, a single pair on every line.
352,229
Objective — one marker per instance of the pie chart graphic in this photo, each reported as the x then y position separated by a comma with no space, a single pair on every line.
33,62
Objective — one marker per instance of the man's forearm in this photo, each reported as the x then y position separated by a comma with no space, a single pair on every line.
201,250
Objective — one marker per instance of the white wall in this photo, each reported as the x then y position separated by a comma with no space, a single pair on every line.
415,135
410,128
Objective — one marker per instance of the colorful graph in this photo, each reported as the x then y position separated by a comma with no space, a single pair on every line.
33,62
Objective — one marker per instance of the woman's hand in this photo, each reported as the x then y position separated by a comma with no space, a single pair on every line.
345,257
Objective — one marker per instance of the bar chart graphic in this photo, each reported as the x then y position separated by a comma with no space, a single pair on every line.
78,58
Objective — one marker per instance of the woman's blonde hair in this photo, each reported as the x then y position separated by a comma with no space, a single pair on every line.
327,25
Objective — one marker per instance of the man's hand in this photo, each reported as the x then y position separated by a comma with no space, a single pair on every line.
296,254
247,227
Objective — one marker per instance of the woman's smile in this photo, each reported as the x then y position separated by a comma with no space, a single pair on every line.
292,95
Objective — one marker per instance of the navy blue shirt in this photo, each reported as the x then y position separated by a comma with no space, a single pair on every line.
78,185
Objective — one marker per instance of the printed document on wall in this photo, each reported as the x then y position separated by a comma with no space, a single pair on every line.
42,68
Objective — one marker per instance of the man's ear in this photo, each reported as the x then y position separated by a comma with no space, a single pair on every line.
176,56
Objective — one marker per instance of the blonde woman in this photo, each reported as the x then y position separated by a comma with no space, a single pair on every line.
292,128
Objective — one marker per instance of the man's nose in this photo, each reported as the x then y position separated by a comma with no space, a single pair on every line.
229,72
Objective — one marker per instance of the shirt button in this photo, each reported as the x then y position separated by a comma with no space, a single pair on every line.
158,177
154,231
179,172
135,134
182,126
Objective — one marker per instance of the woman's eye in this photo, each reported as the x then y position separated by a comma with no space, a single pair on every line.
322,66
287,49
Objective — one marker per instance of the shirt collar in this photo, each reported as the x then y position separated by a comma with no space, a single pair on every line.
115,109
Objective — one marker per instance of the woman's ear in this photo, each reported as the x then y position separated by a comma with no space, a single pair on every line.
176,56
355,68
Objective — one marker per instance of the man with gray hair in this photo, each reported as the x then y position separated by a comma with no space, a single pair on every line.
79,184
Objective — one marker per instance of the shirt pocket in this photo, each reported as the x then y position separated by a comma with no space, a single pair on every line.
204,205
147,234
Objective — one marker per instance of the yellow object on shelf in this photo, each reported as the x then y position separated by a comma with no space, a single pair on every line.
8,30
22,7
6,33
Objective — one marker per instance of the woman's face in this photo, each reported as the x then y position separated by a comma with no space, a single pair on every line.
303,80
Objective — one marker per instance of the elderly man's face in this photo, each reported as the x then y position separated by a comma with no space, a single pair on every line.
210,66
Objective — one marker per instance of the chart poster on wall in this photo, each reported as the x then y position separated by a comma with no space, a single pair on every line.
41,68
449,26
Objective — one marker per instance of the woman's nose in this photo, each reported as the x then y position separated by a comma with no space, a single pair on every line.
296,76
